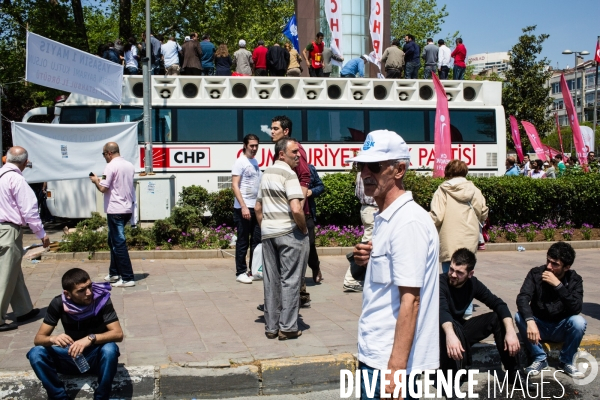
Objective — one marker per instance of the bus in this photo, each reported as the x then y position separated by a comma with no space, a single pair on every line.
198,123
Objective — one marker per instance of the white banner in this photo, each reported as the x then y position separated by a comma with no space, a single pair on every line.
376,28
53,64
333,13
588,138
60,152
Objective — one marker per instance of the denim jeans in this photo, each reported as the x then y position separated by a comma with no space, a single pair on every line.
411,69
458,73
569,331
208,71
429,69
245,229
444,70
47,362
377,392
445,269
120,264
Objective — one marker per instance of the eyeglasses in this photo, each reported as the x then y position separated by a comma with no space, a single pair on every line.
374,167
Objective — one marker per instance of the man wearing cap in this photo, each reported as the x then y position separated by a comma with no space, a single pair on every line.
242,59
401,292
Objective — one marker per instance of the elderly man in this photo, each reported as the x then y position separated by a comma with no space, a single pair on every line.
18,207
280,213
400,294
119,199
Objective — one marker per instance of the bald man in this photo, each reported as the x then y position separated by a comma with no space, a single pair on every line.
18,207
119,199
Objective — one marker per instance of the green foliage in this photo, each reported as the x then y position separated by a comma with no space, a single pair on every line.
194,196
85,240
525,94
186,218
420,18
97,221
553,140
140,238
165,231
338,205
220,205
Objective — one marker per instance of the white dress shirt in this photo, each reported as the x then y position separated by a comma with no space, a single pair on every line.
444,57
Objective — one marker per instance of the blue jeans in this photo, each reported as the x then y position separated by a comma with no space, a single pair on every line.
245,229
445,269
47,362
411,69
429,69
569,331
458,73
120,264
208,71
377,392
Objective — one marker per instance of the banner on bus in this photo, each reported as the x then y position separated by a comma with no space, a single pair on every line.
56,65
60,152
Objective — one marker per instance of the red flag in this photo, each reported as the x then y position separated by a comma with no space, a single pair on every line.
514,127
577,137
597,57
442,137
562,150
550,151
534,139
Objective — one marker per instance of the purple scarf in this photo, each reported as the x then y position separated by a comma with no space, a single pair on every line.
100,295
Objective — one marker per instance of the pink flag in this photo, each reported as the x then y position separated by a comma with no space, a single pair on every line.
550,151
514,127
577,137
442,139
534,139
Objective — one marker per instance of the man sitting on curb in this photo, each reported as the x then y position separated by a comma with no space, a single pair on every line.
91,329
549,303
458,288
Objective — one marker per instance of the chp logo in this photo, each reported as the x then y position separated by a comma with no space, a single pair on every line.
585,362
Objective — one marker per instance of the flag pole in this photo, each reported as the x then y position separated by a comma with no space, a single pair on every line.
597,59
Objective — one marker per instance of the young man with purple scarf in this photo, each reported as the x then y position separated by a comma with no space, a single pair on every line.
91,328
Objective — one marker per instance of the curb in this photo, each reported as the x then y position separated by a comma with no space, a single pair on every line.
221,379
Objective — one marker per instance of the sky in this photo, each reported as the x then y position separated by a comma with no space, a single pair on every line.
493,26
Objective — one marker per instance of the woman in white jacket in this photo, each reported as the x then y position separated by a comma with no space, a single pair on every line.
457,209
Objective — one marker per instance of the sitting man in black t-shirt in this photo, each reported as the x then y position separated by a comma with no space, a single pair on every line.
458,288
91,328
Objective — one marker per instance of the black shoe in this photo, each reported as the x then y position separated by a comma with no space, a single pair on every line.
260,307
29,315
272,335
8,327
305,305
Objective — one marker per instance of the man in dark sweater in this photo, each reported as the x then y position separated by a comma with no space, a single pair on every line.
278,60
458,288
549,304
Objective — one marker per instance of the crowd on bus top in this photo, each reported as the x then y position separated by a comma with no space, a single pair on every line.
199,56
549,169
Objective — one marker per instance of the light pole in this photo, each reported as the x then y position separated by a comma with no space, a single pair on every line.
577,54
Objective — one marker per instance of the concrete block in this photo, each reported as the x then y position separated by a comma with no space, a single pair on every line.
178,382
501,246
329,251
304,374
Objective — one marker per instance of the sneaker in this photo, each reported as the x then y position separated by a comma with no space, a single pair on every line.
289,335
536,367
305,305
353,288
481,246
571,370
112,279
121,283
261,307
271,335
243,278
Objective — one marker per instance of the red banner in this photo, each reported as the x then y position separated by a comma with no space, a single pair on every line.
442,138
550,151
577,138
514,128
534,139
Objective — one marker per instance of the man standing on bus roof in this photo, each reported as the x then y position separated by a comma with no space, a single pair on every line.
313,54
119,198
245,180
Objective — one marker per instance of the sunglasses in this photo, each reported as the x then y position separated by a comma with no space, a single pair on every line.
374,167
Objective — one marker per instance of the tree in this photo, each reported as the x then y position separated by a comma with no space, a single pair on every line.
525,94
80,25
125,19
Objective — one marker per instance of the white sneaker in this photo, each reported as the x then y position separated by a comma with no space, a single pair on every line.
243,278
121,283
111,278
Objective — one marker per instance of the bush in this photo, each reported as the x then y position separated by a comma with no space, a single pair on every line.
220,205
338,205
186,217
194,196
97,221
166,232
85,240
139,238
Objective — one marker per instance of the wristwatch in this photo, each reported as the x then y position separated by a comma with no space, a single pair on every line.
92,338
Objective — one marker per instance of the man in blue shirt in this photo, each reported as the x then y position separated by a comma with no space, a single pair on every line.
511,168
412,51
353,67
208,55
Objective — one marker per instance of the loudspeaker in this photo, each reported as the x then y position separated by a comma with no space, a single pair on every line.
334,92
138,90
380,92
426,92
287,91
239,90
190,90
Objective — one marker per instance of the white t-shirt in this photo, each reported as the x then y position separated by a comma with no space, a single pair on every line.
170,52
130,60
405,253
249,173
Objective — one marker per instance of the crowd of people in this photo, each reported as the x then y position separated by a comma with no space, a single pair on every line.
550,169
197,56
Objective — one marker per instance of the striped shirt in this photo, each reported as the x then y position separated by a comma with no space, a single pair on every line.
278,186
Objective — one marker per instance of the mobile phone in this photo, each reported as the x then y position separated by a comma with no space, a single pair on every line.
91,174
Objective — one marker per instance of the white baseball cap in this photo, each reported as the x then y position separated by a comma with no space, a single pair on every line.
382,145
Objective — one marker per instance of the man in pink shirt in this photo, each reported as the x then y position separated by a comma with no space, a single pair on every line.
18,207
459,54
119,199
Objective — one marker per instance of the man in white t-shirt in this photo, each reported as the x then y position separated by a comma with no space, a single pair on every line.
245,181
398,328
170,51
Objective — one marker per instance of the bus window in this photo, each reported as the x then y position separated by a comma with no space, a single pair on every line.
78,115
258,122
410,124
336,125
163,129
469,126
127,115
206,125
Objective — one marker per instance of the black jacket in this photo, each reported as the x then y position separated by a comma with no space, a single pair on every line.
550,304
278,58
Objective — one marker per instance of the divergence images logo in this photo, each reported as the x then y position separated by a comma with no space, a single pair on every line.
589,363
368,144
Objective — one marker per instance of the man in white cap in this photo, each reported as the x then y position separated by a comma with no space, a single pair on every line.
398,327
242,59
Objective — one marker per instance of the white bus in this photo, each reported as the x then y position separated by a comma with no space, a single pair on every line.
199,122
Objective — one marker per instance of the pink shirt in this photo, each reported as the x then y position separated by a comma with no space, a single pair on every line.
18,204
118,178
